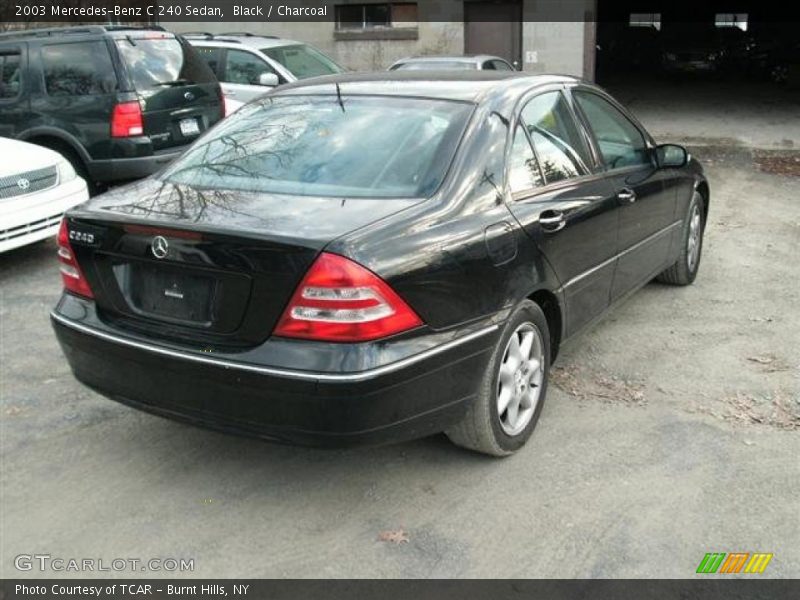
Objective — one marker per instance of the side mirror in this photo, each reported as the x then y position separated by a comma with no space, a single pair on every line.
516,65
268,79
671,156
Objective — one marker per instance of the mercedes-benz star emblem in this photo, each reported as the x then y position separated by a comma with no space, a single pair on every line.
189,96
160,246
23,183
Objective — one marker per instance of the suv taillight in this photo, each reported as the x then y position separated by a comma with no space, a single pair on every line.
340,301
71,274
126,120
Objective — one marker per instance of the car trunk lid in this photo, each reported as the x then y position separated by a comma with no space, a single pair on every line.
213,268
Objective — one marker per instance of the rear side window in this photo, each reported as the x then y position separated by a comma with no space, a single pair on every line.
303,61
555,137
523,169
78,69
157,61
245,68
500,65
10,75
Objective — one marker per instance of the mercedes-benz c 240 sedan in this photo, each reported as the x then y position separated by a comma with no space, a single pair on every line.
374,258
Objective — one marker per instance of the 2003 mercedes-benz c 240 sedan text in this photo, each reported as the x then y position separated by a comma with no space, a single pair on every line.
372,258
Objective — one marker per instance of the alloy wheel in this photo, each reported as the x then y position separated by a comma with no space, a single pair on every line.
693,241
520,379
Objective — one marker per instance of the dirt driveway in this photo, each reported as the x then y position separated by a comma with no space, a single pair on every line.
672,430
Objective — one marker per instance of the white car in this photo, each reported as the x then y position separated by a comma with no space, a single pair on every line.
249,65
36,186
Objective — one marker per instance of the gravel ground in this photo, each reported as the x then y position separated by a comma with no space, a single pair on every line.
671,431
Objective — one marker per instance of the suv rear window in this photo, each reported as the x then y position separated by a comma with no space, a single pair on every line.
376,147
155,61
303,61
78,69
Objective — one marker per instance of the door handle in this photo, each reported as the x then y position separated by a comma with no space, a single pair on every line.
230,92
552,220
626,195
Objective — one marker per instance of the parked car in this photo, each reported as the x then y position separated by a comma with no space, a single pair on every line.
37,186
249,65
118,102
692,48
376,257
478,62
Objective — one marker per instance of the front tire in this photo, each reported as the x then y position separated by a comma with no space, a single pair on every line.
684,271
511,395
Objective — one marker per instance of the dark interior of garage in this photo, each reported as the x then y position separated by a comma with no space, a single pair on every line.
718,40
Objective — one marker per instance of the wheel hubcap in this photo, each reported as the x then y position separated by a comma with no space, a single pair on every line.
520,379
693,241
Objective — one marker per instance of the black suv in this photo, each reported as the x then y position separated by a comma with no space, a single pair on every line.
118,102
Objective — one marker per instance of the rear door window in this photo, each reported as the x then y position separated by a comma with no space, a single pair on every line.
10,75
158,60
78,69
558,143
245,68
523,168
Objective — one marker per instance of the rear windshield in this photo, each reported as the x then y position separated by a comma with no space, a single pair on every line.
303,61
377,147
437,65
160,60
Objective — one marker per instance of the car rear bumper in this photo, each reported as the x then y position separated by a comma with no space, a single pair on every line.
129,168
406,398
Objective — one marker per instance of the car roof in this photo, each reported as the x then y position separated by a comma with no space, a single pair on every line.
82,30
467,58
250,41
469,86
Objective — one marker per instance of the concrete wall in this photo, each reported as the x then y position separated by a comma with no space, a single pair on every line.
547,47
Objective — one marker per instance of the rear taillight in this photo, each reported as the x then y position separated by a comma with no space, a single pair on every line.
126,120
341,301
71,274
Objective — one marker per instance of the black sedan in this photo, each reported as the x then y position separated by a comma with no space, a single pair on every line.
374,258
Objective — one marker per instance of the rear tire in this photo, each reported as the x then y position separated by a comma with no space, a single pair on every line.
684,271
516,376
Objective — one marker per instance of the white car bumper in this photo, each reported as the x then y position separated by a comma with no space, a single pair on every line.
33,217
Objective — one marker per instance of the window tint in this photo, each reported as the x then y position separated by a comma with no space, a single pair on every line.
210,55
303,61
555,136
489,65
10,75
79,69
523,169
352,146
155,61
620,142
245,68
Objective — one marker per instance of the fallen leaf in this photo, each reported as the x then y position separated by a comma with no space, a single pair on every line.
395,536
762,360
